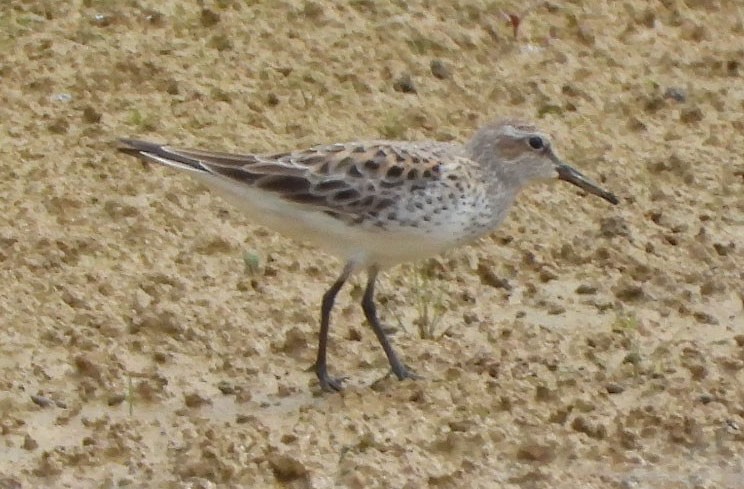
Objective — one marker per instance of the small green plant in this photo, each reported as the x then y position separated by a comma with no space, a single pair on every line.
130,395
428,300
422,45
143,122
98,3
627,326
394,126
626,323
251,262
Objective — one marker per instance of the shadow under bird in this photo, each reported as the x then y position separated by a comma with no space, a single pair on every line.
375,204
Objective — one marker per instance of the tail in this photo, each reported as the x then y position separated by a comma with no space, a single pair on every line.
161,154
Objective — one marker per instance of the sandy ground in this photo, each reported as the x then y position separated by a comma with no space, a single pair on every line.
152,337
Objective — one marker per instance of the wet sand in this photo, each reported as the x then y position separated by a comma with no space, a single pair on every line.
153,337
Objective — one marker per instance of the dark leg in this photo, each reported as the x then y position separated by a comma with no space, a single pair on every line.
370,312
328,383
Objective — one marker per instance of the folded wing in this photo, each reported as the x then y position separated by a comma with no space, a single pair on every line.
348,181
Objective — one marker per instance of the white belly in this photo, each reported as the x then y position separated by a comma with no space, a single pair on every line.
364,245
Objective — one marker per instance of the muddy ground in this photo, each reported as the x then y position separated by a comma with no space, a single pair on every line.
152,337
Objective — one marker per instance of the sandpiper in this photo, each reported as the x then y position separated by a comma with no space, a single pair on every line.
375,204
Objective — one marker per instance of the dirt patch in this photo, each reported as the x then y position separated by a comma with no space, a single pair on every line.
152,337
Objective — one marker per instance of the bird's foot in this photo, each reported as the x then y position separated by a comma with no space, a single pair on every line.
328,383
403,372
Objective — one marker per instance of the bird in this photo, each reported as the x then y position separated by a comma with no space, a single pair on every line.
378,203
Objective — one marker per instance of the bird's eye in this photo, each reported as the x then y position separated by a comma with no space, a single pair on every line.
536,142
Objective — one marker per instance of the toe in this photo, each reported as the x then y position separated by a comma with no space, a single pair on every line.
332,384
407,373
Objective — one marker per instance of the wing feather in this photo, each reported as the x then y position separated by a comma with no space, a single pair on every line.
349,181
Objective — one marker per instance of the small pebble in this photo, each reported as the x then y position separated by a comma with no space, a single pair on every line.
272,100
102,20
220,42
209,18
630,483
404,84
60,125
536,452
546,275
288,438
10,483
722,249
115,399
42,401
676,94
194,400
439,70
705,318
633,358
153,17
488,277
691,115
286,468
613,226
226,388
62,97
585,289
29,443
91,115
462,425
629,292
593,430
